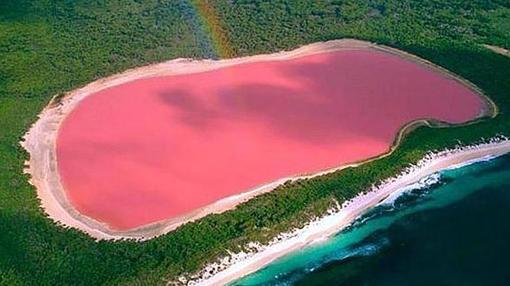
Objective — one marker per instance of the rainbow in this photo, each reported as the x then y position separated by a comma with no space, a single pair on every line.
210,20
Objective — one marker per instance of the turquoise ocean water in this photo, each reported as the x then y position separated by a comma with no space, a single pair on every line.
453,232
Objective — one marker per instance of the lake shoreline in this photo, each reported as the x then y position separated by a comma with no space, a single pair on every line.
40,141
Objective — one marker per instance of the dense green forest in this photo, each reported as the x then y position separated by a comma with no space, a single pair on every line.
50,47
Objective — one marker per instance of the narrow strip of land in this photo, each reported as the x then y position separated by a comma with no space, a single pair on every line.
333,223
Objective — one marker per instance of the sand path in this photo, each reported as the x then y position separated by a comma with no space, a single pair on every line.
498,50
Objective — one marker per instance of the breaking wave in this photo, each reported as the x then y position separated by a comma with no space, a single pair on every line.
423,184
471,162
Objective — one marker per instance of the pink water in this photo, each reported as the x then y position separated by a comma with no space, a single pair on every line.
158,148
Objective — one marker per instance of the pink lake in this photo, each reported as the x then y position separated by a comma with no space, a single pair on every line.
158,148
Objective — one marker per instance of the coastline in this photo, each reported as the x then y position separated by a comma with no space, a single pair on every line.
40,141
229,269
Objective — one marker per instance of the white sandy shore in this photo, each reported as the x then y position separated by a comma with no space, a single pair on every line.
241,264
40,141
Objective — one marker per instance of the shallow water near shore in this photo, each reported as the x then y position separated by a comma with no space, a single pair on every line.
451,229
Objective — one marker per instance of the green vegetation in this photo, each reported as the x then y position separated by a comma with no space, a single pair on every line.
50,47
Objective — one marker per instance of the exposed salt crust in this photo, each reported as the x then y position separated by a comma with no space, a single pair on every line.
236,265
